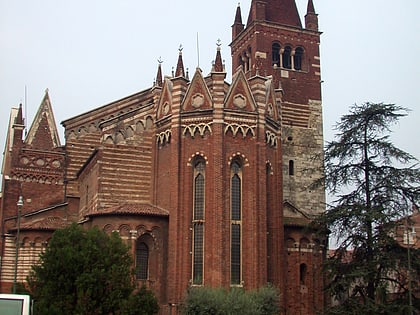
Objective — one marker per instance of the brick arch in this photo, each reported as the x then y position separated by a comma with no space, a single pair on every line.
71,135
147,238
124,230
239,157
92,127
109,140
304,243
140,127
196,156
82,131
149,122
290,242
38,240
129,131
25,240
269,167
108,228
119,137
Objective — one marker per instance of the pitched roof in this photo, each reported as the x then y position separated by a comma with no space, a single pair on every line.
283,12
49,223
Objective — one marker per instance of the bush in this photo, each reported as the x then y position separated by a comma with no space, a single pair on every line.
141,303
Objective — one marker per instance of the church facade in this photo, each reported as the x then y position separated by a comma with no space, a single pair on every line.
209,182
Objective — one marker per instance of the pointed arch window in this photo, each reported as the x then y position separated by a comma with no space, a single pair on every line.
275,54
297,58
198,223
287,57
142,261
236,224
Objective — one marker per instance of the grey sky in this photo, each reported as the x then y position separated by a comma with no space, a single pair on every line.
90,53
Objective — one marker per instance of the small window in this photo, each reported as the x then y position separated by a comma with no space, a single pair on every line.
291,168
142,261
275,54
297,58
287,57
302,274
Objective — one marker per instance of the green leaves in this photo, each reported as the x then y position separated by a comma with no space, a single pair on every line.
375,185
210,301
82,272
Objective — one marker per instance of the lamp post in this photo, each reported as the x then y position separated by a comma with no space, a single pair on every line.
19,205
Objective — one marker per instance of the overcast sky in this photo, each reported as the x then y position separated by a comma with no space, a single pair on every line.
90,53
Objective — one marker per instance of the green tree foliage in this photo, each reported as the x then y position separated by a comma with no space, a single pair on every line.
141,303
83,272
375,186
210,301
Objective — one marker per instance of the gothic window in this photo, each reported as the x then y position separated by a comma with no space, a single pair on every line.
287,57
297,58
275,54
198,223
236,223
291,167
142,261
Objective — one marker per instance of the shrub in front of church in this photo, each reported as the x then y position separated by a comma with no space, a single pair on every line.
206,301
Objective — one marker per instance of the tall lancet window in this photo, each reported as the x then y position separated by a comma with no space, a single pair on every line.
236,224
198,223
142,261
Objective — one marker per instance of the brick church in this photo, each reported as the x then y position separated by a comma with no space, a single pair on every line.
207,181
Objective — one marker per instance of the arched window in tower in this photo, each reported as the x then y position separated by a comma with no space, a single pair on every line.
297,58
275,54
198,223
236,224
142,261
291,167
287,57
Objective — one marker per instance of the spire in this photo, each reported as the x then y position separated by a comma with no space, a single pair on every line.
159,77
311,8
237,26
238,16
43,133
17,126
218,63
180,72
283,12
19,116
311,18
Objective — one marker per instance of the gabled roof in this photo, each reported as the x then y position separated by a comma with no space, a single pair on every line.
43,133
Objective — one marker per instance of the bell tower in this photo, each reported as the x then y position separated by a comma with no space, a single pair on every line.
274,43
